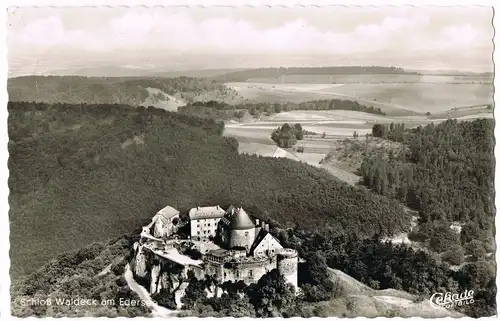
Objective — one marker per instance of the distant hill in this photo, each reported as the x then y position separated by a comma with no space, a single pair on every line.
113,90
243,75
131,71
86,173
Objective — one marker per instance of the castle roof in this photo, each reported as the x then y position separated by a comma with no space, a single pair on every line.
198,213
168,212
258,238
241,221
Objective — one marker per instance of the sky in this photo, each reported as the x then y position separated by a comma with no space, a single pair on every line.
41,40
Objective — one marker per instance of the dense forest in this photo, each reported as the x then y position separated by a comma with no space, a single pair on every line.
244,75
86,173
224,111
447,175
106,90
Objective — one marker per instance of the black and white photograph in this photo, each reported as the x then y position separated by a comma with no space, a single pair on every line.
251,161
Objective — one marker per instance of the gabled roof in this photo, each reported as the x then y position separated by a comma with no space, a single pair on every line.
241,221
168,212
198,213
258,238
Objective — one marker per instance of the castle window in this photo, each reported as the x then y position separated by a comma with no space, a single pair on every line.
250,273
237,273
208,224
246,234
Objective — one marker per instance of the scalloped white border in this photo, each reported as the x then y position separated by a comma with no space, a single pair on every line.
4,191
240,3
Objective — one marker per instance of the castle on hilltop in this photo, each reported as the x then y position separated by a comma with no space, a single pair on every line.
230,246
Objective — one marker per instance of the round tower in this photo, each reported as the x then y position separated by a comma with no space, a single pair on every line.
242,230
287,263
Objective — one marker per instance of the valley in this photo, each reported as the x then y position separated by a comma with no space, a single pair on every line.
86,150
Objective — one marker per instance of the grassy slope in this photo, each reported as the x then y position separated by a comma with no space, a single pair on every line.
361,300
73,185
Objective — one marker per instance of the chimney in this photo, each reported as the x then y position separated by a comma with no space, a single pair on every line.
263,224
257,222
266,227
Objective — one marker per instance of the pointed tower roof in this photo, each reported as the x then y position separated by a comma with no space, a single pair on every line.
241,221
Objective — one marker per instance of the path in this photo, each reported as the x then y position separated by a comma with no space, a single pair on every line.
157,311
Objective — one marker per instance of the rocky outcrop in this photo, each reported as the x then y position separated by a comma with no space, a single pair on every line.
139,262
157,273
179,293
155,278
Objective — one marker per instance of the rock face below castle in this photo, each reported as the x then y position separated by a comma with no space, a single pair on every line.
233,248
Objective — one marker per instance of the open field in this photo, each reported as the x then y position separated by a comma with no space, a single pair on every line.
421,97
373,78
254,136
397,95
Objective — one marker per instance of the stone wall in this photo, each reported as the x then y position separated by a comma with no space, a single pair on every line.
242,238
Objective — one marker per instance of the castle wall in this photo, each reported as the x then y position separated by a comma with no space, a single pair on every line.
242,238
287,262
234,272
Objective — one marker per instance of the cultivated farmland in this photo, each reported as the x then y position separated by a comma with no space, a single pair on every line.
411,99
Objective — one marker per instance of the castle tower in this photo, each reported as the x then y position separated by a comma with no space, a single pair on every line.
288,261
242,230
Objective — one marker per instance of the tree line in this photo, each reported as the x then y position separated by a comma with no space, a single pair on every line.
225,111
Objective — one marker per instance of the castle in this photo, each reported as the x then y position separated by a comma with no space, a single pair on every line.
233,248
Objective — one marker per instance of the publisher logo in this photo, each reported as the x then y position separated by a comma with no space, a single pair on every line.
449,300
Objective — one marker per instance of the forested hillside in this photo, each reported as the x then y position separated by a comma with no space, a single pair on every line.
86,173
447,175
222,110
244,75
109,90
94,272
